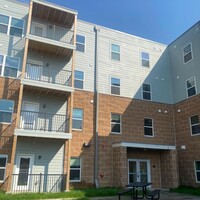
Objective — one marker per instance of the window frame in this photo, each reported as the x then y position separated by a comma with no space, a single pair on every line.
194,125
187,53
147,92
144,59
75,169
4,66
115,86
10,25
120,117
8,112
4,156
77,129
84,44
83,80
195,86
111,52
152,127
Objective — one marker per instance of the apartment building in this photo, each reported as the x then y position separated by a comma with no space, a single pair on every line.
83,105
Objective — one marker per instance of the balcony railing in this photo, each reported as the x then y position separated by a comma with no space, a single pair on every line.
43,121
37,183
48,74
53,32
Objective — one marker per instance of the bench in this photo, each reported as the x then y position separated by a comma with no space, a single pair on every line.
152,195
120,193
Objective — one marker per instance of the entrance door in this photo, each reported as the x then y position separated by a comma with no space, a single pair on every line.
138,170
34,72
23,171
29,115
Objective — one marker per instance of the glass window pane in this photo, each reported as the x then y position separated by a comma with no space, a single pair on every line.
4,19
6,105
148,131
115,56
197,163
145,63
194,119
12,62
16,31
145,56
77,113
147,122
78,84
188,57
146,87
191,91
147,95
115,90
195,129
115,81
17,22
11,72
1,59
3,28
2,174
198,176
3,162
5,117
74,175
75,162
115,118
187,49
80,47
79,75
115,128
190,83
80,39
115,48
76,124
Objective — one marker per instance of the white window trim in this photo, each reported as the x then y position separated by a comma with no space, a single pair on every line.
73,181
186,54
193,125
120,88
115,52
149,127
115,133
8,112
196,171
146,91
4,156
76,129
142,51
4,65
82,44
80,80
195,85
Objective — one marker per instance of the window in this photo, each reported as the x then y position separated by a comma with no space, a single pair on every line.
115,86
9,66
148,127
11,25
145,59
77,119
115,52
195,125
6,110
80,43
16,27
146,91
78,79
115,123
197,170
3,162
4,21
187,53
191,87
75,169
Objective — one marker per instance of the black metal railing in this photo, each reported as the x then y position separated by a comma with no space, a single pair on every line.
48,74
51,31
43,121
38,183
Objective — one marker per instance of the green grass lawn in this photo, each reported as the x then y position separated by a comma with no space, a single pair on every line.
79,194
187,190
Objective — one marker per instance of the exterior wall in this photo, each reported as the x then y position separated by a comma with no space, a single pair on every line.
181,72
9,90
51,152
186,157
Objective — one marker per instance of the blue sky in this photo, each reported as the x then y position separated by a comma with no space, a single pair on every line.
158,20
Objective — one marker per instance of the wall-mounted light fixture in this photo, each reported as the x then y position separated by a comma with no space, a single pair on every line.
86,144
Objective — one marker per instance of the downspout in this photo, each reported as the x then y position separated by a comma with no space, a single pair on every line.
96,153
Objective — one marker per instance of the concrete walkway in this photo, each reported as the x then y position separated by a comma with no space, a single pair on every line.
164,195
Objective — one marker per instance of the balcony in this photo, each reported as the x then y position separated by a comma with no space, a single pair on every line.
47,79
46,125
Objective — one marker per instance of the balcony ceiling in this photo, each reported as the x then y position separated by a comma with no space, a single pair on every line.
50,49
53,15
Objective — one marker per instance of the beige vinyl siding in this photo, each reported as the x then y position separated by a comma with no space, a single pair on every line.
180,71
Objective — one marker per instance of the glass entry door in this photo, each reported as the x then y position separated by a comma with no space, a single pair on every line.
23,171
138,170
